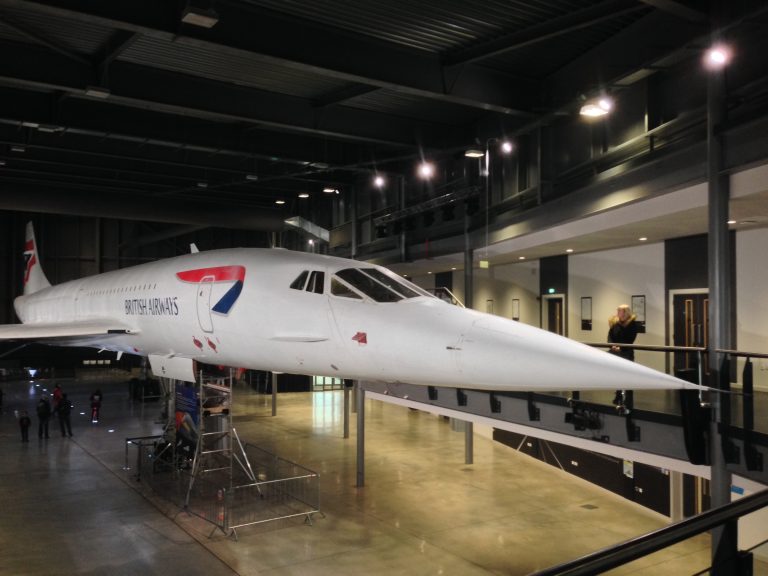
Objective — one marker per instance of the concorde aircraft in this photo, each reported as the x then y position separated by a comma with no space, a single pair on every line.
284,311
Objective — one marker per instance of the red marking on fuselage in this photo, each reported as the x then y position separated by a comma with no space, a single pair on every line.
197,343
211,344
360,338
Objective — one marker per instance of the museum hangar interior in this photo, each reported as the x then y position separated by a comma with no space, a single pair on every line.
542,161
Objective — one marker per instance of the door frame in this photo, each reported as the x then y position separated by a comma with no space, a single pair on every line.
545,298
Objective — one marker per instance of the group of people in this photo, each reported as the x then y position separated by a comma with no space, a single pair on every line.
62,408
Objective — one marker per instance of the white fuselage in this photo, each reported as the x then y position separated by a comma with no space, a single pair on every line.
189,307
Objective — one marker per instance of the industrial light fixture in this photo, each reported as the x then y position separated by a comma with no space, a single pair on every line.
426,170
485,264
506,146
569,250
279,202
303,195
202,184
717,57
329,190
379,181
97,92
642,239
474,153
20,148
521,257
251,177
597,108
197,16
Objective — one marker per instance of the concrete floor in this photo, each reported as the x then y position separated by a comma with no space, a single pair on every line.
70,508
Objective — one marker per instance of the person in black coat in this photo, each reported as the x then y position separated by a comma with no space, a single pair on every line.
623,330
64,409
43,415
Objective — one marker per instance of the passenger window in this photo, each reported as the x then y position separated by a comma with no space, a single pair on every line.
316,281
340,289
301,279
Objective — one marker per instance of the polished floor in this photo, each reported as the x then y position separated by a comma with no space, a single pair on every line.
69,507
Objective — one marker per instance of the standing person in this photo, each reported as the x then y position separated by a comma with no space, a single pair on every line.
623,330
43,415
95,405
24,423
57,394
65,409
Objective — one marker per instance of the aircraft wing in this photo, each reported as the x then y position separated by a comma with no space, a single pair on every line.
63,330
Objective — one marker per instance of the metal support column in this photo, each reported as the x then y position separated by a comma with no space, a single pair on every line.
468,256
353,217
676,496
274,393
346,409
724,538
469,446
360,436
403,239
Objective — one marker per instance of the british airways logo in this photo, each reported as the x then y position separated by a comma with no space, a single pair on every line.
218,274
29,259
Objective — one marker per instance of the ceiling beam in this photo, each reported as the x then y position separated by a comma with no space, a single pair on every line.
266,35
548,30
147,88
678,9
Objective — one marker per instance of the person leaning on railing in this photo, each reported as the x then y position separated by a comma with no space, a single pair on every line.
622,330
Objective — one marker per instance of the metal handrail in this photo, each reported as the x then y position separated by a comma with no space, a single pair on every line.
630,550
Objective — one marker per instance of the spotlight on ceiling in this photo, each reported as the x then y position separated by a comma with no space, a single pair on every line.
279,202
379,181
303,195
717,57
597,108
426,170
474,153
197,16
329,190
506,146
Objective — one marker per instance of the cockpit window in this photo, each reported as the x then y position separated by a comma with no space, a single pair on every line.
340,289
391,282
378,285
316,281
314,284
301,279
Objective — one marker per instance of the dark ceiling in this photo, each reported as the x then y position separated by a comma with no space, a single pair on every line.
120,108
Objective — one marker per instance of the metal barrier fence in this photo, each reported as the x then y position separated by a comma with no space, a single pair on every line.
281,489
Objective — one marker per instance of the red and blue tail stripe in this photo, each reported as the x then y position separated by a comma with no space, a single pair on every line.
219,274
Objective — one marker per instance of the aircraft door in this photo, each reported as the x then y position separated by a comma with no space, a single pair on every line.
204,289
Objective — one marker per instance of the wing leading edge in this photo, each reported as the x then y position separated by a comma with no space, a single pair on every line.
41,331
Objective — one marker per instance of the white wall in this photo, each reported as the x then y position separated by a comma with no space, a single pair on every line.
501,284
751,300
611,278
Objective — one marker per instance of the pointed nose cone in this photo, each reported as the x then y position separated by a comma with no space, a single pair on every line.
501,354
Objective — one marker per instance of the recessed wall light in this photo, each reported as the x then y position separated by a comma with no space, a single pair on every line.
642,239
329,190
303,195
280,202
521,257
569,250
731,222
